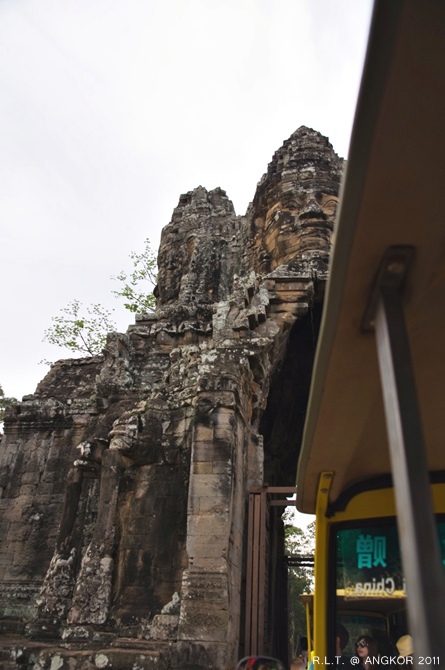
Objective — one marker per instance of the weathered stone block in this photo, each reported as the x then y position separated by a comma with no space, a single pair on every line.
225,433
209,485
17,532
163,627
189,655
203,433
206,526
212,547
212,451
203,623
222,467
213,505
32,477
202,467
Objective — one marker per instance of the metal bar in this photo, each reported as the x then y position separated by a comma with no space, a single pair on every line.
249,576
308,629
255,574
300,559
323,616
289,490
417,529
261,572
393,269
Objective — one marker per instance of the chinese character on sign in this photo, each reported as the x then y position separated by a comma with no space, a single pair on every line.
379,551
371,551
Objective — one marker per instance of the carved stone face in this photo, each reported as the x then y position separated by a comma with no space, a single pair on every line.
298,225
294,207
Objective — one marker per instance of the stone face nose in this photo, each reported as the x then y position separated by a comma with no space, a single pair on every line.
312,210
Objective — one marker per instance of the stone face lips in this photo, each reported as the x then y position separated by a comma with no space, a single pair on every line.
124,479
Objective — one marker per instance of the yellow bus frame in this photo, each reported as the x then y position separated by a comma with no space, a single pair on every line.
368,504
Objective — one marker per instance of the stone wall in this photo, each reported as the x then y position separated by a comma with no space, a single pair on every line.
125,477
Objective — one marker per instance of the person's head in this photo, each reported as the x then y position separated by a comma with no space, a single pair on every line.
341,636
297,664
405,646
366,647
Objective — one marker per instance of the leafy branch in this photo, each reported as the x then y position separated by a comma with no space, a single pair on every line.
144,270
4,402
80,331
84,330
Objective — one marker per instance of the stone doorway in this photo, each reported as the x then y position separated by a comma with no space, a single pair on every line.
282,423
266,573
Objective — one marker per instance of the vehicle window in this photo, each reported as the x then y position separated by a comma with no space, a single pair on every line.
368,585
368,562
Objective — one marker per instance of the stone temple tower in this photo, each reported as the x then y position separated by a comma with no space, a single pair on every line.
125,477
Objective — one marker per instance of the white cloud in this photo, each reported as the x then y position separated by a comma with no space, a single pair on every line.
110,110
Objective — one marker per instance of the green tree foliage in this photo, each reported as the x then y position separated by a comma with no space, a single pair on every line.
84,330
81,330
298,542
4,402
144,272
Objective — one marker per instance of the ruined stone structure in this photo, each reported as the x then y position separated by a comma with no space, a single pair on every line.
124,478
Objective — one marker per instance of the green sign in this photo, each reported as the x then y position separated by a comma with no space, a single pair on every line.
369,563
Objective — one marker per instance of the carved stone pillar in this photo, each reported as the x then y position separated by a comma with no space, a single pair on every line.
58,585
91,598
211,587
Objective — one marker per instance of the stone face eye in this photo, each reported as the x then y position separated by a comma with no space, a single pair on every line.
294,204
330,205
289,201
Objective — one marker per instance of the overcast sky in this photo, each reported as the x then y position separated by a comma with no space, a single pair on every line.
110,109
